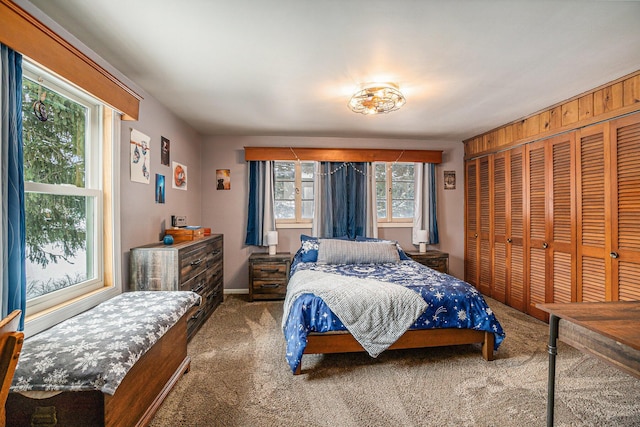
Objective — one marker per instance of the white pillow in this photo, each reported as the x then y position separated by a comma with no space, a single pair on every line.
335,251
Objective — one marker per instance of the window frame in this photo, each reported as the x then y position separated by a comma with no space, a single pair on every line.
389,220
101,188
298,220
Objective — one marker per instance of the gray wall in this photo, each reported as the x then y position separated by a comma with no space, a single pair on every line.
225,211
143,221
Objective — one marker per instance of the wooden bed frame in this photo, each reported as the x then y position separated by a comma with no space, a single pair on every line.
135,401
344,342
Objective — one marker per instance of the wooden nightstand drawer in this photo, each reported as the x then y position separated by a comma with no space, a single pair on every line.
434,259
270,270
268,275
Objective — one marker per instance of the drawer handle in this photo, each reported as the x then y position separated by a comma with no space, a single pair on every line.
196,262
269,270
509,240
270,286
614,255
198,313
198,289
545,245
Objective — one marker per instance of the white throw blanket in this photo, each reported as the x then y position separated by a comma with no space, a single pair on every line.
376,313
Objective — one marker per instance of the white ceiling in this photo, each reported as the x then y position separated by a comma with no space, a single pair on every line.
288,67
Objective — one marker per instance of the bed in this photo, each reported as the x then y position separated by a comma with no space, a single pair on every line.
368,295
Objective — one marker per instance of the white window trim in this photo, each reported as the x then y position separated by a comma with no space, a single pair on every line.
389,221
298,221
55,315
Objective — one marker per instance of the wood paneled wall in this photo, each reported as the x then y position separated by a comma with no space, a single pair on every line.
614,99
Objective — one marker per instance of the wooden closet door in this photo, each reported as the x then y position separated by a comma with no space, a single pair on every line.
499,241
485,227
535,228
515,229
472,214
592,201
625,249
561,250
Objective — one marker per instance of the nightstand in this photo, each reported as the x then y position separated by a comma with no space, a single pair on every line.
434,259
268,275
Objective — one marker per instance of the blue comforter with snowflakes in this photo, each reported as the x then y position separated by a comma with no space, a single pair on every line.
451,303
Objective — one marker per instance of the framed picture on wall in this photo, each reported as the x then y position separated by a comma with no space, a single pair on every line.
223,179
160,188
449,180
165,150
140,153
179,180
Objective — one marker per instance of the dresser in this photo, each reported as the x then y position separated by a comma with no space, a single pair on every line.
268,275
187,266
432,258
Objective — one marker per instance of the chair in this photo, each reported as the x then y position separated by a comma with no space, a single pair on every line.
10,346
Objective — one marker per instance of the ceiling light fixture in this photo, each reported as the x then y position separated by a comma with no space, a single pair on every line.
377,98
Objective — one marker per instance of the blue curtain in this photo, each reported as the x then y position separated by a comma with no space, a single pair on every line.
261,218
12,188
344,200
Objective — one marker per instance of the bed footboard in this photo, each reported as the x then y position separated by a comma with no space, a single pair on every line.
344,342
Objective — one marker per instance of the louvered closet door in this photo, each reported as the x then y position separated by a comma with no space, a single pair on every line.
515,229
535,289
485,228
499,240
625,250
593,241
472,209
562,247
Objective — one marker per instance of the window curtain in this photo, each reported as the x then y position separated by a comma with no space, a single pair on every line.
261,217
12,230
424,216
341,200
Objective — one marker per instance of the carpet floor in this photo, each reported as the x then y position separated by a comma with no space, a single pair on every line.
239,377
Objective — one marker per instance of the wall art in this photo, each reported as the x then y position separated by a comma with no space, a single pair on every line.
160,188
449,180
165,151
223,179
140,154
179,180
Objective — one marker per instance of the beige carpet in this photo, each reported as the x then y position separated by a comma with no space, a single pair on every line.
239,377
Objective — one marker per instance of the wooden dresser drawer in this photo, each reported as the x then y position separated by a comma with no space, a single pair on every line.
268,275
187,266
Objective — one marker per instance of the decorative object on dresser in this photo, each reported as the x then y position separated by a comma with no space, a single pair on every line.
268,275
432,258
186,266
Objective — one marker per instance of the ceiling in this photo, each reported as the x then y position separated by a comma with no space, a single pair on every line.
289,67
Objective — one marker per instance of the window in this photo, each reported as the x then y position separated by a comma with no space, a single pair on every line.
65,163
395,192
293,192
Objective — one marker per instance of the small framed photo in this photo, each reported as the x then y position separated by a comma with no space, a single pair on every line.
223,179
179,180
160,193
449,180
165,150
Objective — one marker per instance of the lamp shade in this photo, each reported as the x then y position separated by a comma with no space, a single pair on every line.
272,238
423,236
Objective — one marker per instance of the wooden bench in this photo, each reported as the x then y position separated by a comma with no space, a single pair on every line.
135,400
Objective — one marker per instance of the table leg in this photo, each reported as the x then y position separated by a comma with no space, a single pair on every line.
553,350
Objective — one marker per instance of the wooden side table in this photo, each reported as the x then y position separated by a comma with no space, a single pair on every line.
268,275
435,259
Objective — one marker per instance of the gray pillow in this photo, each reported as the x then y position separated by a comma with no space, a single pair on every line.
333,251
